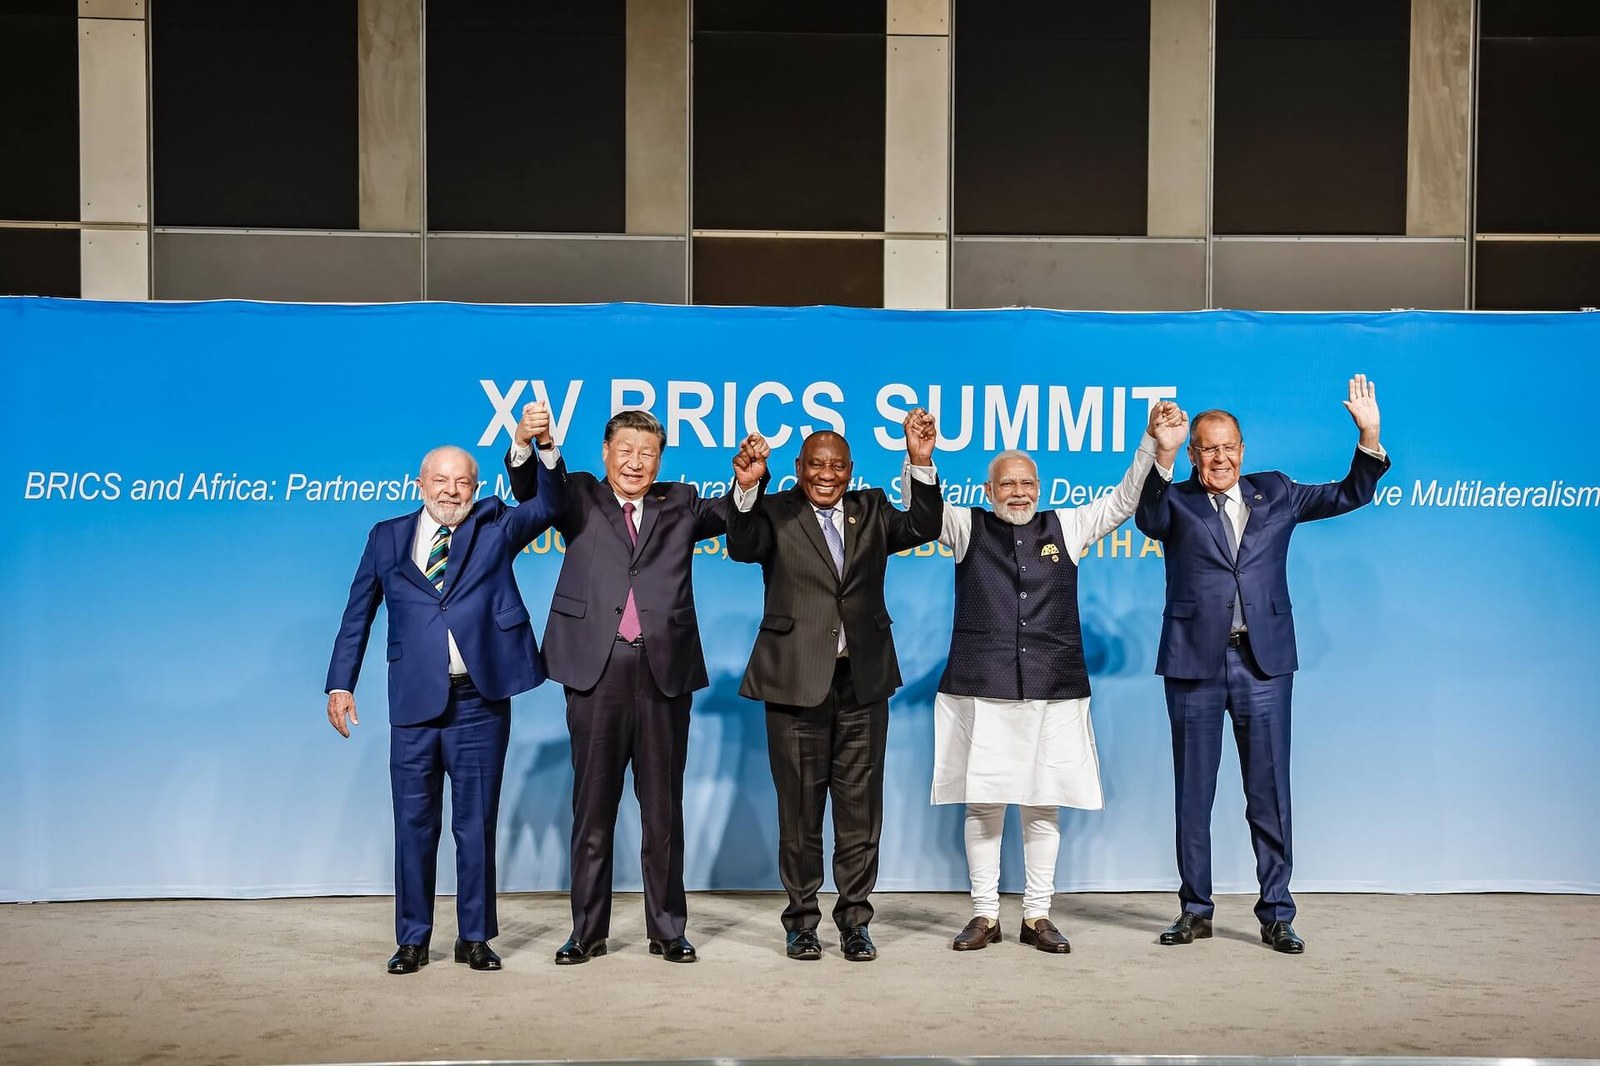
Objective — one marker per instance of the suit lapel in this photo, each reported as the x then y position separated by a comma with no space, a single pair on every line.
810,524
405,534
655,499
852,528
461,547
1199,501
1258,505
613,512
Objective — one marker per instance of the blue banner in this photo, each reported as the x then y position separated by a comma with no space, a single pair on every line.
187,488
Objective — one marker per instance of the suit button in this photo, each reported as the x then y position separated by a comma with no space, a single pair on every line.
1024,595
633,573
444,607
1024,569
833,632
619,610
1024,623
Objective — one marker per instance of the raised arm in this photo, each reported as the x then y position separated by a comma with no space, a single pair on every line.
749,532
923,518
1164,433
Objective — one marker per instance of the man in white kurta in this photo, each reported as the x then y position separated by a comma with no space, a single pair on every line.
1011,718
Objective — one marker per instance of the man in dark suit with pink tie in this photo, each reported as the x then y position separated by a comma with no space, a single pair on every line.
624,641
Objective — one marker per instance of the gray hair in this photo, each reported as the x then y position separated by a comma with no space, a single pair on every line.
1214,414
1011,453
643,421
427,460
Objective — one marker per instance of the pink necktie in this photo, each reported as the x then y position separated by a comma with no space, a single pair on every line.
629,629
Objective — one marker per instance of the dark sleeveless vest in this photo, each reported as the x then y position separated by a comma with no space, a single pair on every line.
1016,633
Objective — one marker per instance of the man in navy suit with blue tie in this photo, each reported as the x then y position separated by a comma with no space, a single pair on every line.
1227,644
460,646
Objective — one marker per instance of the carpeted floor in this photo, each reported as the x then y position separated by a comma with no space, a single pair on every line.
296,981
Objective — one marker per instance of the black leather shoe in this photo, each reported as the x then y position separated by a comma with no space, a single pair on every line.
477,954
409,959
571,953
1187,929
1282,937
675,950
978,934
857,945
804,945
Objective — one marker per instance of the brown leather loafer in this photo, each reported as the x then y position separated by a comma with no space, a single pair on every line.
1045,936
979,933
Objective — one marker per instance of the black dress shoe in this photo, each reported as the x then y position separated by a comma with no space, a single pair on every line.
571,953
1282,937
1187,929
676,950
409,959
857,945
804,945
477,954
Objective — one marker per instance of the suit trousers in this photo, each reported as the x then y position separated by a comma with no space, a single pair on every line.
467,743
627,718
1259,706
831,751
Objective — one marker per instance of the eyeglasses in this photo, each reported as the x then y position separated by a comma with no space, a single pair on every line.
1229,449
1026,484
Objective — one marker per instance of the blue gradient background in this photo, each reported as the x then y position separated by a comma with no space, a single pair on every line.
163,731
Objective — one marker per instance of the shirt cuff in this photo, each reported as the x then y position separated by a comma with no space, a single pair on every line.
928,475
549,456
1378,453
520,453
745,498
1164,471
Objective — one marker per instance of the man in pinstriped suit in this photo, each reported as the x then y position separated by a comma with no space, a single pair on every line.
824,661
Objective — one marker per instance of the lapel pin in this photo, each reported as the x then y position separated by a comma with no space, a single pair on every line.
1258,496
1051,552
663,499
851,519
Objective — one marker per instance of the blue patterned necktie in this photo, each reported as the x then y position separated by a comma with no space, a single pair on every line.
438,556
830,533
1233,554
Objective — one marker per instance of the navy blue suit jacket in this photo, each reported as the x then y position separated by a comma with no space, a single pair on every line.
481,605
1200,578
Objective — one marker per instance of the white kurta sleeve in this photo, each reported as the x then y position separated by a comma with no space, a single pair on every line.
1084,525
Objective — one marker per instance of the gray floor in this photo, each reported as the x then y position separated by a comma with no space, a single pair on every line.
299,981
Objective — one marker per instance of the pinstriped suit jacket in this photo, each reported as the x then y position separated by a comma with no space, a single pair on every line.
807,601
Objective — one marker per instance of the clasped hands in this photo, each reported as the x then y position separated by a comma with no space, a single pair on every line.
534,425
750,461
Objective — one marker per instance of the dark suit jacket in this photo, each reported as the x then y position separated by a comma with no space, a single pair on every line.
481,605
600,564
1200,579
806,600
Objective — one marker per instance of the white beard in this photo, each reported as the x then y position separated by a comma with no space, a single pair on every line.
448,514
1017,518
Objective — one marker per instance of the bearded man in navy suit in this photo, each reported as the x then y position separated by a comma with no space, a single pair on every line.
1227,644
460,646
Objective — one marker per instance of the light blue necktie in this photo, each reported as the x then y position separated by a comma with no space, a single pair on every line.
830,533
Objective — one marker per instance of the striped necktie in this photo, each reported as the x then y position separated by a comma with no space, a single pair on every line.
438,556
